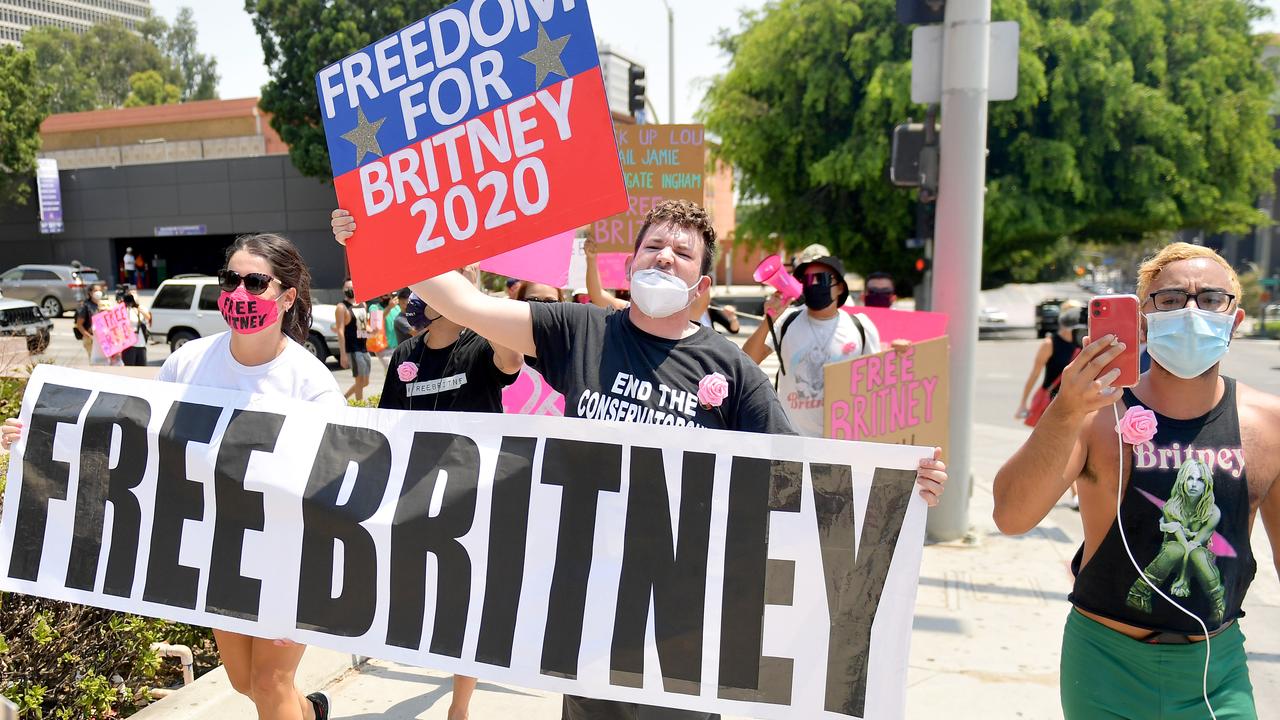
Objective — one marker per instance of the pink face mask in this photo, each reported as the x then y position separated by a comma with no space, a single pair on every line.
247,314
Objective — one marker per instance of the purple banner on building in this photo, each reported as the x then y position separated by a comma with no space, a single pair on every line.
49,190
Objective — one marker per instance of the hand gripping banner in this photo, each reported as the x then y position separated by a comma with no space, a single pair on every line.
766,576
476,130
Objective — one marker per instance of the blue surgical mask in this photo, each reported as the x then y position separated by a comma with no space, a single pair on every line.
1189,341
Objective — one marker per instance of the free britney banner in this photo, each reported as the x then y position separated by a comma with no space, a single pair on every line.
479,129
767,576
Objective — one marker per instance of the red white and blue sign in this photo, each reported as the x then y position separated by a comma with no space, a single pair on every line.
479,129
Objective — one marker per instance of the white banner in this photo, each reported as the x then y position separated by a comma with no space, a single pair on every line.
766,576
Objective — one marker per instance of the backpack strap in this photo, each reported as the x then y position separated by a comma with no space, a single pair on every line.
777,342
862,333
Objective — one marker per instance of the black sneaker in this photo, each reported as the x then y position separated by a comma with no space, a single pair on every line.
320,701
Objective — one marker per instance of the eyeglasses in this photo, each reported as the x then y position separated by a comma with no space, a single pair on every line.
255,283
541,300
1175,299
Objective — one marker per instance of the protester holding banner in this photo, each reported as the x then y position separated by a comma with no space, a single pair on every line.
140,320
351,321
1166,503
811,337
647,364
266,300
83,329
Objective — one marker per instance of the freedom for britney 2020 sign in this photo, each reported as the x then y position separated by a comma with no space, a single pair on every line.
478,129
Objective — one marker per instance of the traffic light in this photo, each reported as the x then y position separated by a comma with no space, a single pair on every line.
923,264
635,90
921,12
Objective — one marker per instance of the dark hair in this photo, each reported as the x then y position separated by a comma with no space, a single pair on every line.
880,275
685,214
523,292
404,293
290,269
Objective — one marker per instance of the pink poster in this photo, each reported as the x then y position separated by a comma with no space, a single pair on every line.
112,330
613,270
531,394
546,261
903,324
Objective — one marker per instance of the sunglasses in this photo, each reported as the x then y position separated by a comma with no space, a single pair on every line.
255,283
541,300
820,278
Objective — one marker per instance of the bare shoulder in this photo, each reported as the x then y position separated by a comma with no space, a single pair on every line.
1259,412
1260,431
1098,436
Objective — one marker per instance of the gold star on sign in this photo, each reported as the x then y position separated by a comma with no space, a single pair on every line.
546,56
364,136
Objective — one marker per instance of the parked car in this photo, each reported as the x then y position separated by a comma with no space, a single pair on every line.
21,318
185,307
55,288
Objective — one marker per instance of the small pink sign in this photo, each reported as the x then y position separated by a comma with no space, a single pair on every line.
112,330
915,326
546,261
531,394
613,270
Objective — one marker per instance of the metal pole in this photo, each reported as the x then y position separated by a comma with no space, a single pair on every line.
958,250
671,63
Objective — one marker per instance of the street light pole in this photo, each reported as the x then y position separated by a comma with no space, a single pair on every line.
966,50
671,64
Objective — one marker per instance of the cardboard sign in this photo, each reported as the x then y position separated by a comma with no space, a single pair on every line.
113,331
476,130
916,326
697,569
545,262
531,394
890,397
660,162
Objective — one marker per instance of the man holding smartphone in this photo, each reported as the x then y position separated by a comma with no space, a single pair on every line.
1176,564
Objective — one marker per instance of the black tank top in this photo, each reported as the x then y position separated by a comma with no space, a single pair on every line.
350,337
1186,516
1064,352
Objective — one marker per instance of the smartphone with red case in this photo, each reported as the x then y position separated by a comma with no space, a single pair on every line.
1117,315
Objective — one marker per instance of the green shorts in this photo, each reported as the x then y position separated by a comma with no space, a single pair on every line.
1109,676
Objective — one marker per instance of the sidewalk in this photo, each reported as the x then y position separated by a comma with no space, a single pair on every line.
987,630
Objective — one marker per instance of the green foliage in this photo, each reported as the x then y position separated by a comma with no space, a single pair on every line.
1133,117
369,402
22,109
115,55
299,37
59,660
149,88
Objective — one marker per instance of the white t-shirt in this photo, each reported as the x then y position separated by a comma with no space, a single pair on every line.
807,347
137,319
294,373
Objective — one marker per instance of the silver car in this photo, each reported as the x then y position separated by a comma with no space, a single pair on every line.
55,288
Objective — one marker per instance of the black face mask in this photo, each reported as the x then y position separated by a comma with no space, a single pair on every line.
349,294
878,298
817,296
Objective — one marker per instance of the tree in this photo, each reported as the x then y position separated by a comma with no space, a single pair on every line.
149,88
115,54
1133,117
22,109
299,37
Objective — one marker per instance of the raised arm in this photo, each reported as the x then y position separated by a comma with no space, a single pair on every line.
499,320
1031,481
756,346
595,289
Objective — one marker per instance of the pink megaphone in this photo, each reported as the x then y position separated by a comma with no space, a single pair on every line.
771,271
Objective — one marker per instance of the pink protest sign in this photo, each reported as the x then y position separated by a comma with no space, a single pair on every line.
112,330
531,394
613,270
890,397
916,326
546,261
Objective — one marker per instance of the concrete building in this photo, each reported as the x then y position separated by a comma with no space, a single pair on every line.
19,16
175,183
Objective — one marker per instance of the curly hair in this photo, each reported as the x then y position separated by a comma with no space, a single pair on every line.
1175,252
684,214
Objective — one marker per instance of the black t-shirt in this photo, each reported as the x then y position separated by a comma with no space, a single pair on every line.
608,369
458,378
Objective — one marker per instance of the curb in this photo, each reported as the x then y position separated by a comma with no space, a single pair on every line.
211,696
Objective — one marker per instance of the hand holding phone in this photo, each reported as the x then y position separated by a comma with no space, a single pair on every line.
1118,315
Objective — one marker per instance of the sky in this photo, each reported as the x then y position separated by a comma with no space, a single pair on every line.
635,29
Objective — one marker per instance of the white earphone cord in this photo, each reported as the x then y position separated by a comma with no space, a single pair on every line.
1142,574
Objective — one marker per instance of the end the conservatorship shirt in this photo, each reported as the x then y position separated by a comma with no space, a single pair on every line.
608,369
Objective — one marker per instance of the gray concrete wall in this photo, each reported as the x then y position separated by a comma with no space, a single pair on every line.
264,194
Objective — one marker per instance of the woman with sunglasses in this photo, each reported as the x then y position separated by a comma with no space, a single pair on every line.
266,301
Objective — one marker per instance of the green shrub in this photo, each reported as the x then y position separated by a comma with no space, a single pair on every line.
59,660
369,402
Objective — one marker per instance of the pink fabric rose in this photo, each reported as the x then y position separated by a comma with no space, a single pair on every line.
712,390
1137,426
408,371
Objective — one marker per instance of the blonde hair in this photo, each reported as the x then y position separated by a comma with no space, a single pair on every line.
1150,270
